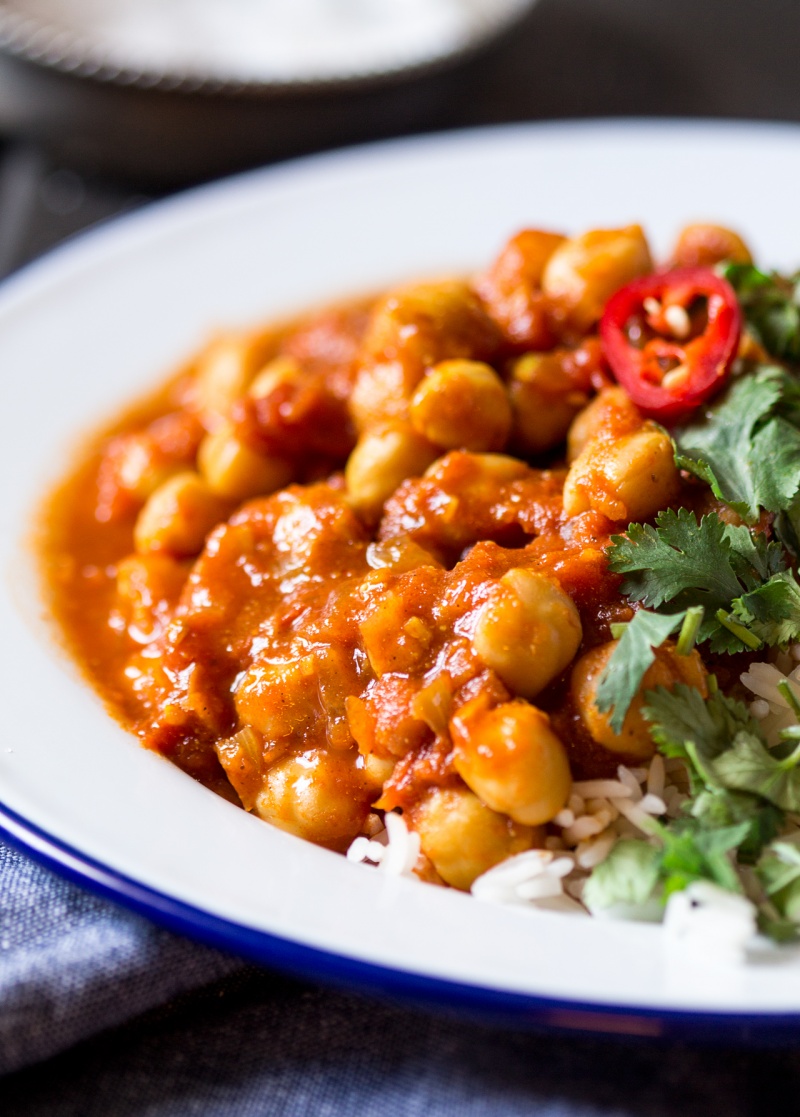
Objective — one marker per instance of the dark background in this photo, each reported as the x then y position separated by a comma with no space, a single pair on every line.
570,58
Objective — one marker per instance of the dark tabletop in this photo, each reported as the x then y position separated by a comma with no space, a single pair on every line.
255,1041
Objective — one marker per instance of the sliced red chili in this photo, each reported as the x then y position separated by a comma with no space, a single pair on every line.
671,338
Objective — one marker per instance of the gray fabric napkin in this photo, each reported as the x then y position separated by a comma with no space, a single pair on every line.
72,964
168,1028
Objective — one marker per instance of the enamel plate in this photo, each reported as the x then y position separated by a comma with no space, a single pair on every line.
101,320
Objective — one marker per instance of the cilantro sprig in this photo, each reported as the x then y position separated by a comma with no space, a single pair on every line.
739,794
747,446
680,569
771,306
681,563
730,586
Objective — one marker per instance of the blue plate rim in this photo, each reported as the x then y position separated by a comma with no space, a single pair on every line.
482,1003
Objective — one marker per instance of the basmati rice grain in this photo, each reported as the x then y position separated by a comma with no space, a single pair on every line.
607,789
759,708
763,679
635,815
656,776
564,817
585,827
359,849
627,779
602,807
605,818
653,804
589,854
541,888
401,854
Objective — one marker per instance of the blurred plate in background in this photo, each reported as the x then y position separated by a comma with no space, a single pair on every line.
164,93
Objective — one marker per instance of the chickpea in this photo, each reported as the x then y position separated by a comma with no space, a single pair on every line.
705,245
400,553
233,469
411,330
511,288
316,795
527,633
227,368
393,636
585,271
281,370
430,322
382,459
511,758
377,770
135,464
381,393
668,669
462,405
139,467
279,699
610,414
627,479
178,516
544,402
463,837
521,264
484,471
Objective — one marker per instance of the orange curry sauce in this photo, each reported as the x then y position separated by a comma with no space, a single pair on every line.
301,635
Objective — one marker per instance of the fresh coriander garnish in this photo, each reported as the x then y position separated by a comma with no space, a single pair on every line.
731,587
771,306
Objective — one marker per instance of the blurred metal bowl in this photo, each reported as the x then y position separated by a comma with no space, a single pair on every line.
168,127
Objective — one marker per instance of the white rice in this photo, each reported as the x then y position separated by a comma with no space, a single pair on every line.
395,849
770,707
534,876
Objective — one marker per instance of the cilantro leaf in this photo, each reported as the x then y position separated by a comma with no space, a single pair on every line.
772,611
776,927
691,852
718,807
749,766
626,879
715,566
722,742
778,871
745,447
686,725
779,866
787,527
678,558
630,660
771,306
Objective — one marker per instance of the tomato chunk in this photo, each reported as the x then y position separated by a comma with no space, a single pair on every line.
671,338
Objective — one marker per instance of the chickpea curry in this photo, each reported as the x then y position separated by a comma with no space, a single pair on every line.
383,558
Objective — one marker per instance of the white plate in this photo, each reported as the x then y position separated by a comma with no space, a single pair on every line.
98,321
